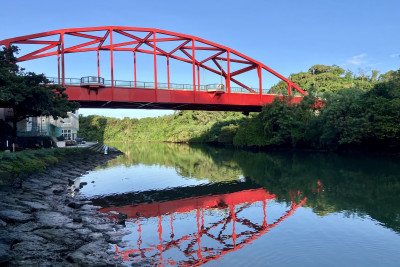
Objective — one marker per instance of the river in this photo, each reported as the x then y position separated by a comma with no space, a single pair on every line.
202,205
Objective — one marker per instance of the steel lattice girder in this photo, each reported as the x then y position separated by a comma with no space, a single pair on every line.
151,40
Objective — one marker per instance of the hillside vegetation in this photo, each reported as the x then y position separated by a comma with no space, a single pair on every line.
341,111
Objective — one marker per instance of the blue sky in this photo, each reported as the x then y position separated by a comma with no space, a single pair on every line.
288,36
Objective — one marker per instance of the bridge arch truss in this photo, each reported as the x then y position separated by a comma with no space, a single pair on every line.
52,43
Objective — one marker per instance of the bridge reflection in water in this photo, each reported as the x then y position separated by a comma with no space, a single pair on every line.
194,231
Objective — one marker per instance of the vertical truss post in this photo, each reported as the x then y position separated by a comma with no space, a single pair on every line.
259,79
228,77
168,70
194,66
198,77
289,88
62,59
58,65
98,65
112,57
155,62
134,66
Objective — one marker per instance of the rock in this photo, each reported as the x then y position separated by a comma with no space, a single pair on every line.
36,205
92,182
64,237
51,219
83,231
114,237
3,223
90,207
76,218
81,185
26,227
75,205
77,257
33,250
122,216
57,191
101,227
73,225
4,254
95,236
15,216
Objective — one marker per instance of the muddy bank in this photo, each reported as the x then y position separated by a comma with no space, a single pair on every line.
47,223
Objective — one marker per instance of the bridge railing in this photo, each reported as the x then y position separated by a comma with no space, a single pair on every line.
164,86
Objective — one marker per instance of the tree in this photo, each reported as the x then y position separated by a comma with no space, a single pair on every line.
374,75
29,94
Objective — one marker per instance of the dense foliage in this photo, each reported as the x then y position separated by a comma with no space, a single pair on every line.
183,126
343,117
321,78
28,93
17,166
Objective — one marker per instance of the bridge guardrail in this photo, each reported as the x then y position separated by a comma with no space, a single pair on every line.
162,86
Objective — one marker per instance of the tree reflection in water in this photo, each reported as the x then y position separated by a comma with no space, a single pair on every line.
236,205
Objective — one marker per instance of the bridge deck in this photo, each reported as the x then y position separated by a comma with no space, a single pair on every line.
178,97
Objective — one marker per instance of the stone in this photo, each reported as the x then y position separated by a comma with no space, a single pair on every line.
73,225
36,205
15,216
65,237
51,219
75,205
4,254
113,237
95,236
100,227
76,218
122,216
26,227
90,207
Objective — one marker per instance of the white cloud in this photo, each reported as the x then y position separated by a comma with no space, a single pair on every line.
394,55
357,60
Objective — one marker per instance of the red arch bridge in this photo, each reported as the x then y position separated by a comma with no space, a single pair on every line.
94,91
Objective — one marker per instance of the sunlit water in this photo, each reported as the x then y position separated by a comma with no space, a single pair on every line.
199,205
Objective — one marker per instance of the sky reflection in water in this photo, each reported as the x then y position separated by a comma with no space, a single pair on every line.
193,206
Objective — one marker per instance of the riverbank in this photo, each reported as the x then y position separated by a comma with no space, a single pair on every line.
46,222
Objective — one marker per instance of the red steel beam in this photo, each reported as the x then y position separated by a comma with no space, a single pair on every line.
211,57
243,70
201,48
39,42
84,35
179,47
80,32
234,60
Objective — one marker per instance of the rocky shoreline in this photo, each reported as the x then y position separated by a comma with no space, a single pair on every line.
47,223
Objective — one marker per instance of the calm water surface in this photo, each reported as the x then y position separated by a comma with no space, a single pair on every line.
200,205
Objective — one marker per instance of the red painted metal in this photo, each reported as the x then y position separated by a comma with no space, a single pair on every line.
229,98
134,66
